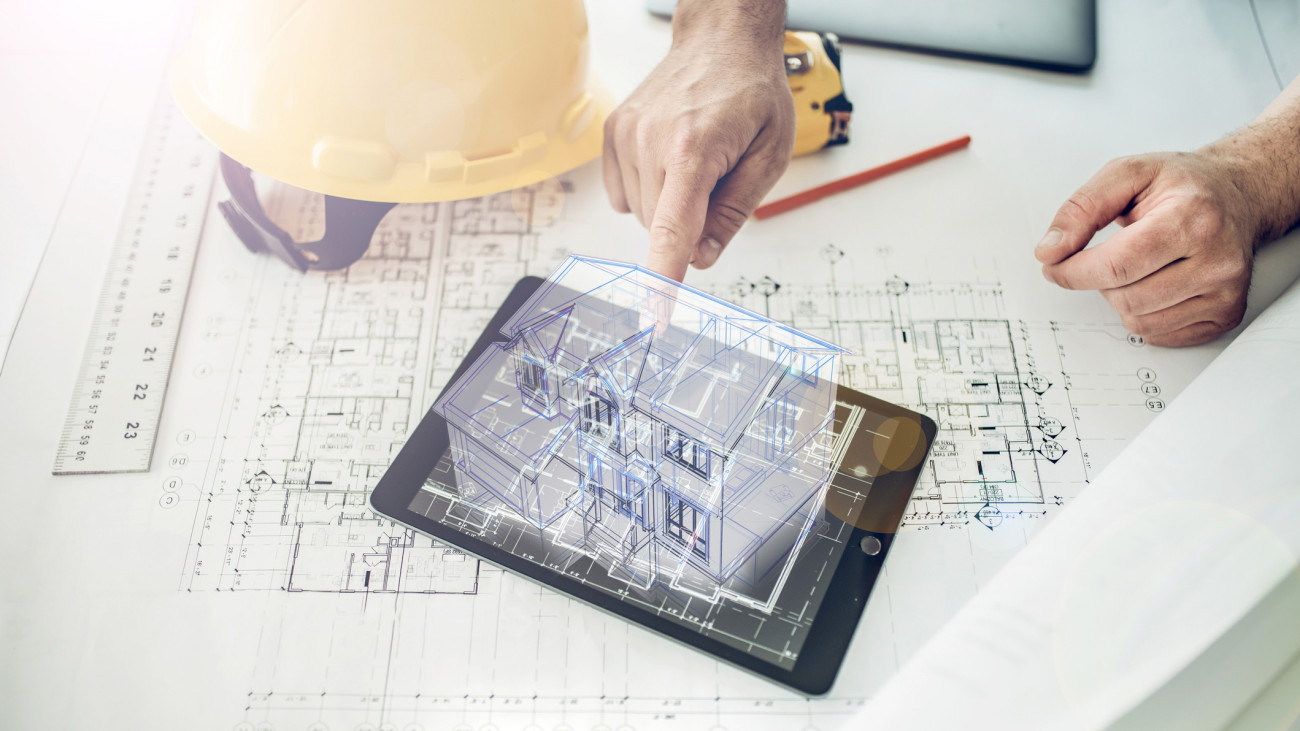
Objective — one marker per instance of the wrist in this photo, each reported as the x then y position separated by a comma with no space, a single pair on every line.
723,28
1263,162
1257,163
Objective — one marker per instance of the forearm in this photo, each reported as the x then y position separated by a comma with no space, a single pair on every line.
1265,159
731,25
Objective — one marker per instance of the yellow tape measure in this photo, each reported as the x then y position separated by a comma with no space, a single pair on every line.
822,111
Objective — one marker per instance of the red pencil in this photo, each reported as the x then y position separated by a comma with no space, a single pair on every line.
767,210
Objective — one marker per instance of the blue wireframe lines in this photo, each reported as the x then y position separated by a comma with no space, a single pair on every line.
680,442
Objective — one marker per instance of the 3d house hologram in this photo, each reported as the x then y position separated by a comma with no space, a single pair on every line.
681,442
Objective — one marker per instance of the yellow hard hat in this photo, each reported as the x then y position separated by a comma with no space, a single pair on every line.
397,101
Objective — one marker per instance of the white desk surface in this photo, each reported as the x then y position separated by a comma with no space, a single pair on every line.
78,78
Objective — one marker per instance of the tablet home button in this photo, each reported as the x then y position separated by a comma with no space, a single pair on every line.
870,545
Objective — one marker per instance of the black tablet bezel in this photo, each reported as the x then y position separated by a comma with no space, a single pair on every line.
833,625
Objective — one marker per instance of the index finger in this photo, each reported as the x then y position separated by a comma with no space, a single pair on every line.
1138,250
679,219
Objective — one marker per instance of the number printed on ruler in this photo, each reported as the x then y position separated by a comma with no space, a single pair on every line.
117,399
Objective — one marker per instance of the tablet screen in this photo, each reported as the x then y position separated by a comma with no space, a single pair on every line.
773,631
576,482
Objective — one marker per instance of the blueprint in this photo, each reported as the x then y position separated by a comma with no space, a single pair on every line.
291,393
243,584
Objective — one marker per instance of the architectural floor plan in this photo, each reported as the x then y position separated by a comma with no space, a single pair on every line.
292,392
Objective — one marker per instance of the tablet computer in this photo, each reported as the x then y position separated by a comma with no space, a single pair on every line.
785,604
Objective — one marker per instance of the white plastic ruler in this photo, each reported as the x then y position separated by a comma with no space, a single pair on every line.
118,396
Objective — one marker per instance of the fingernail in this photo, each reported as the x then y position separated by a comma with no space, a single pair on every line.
1052,238
706,253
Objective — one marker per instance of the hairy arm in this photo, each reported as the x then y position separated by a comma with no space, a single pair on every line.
698,144
1264,158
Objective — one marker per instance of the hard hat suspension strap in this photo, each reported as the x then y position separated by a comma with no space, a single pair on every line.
349,225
